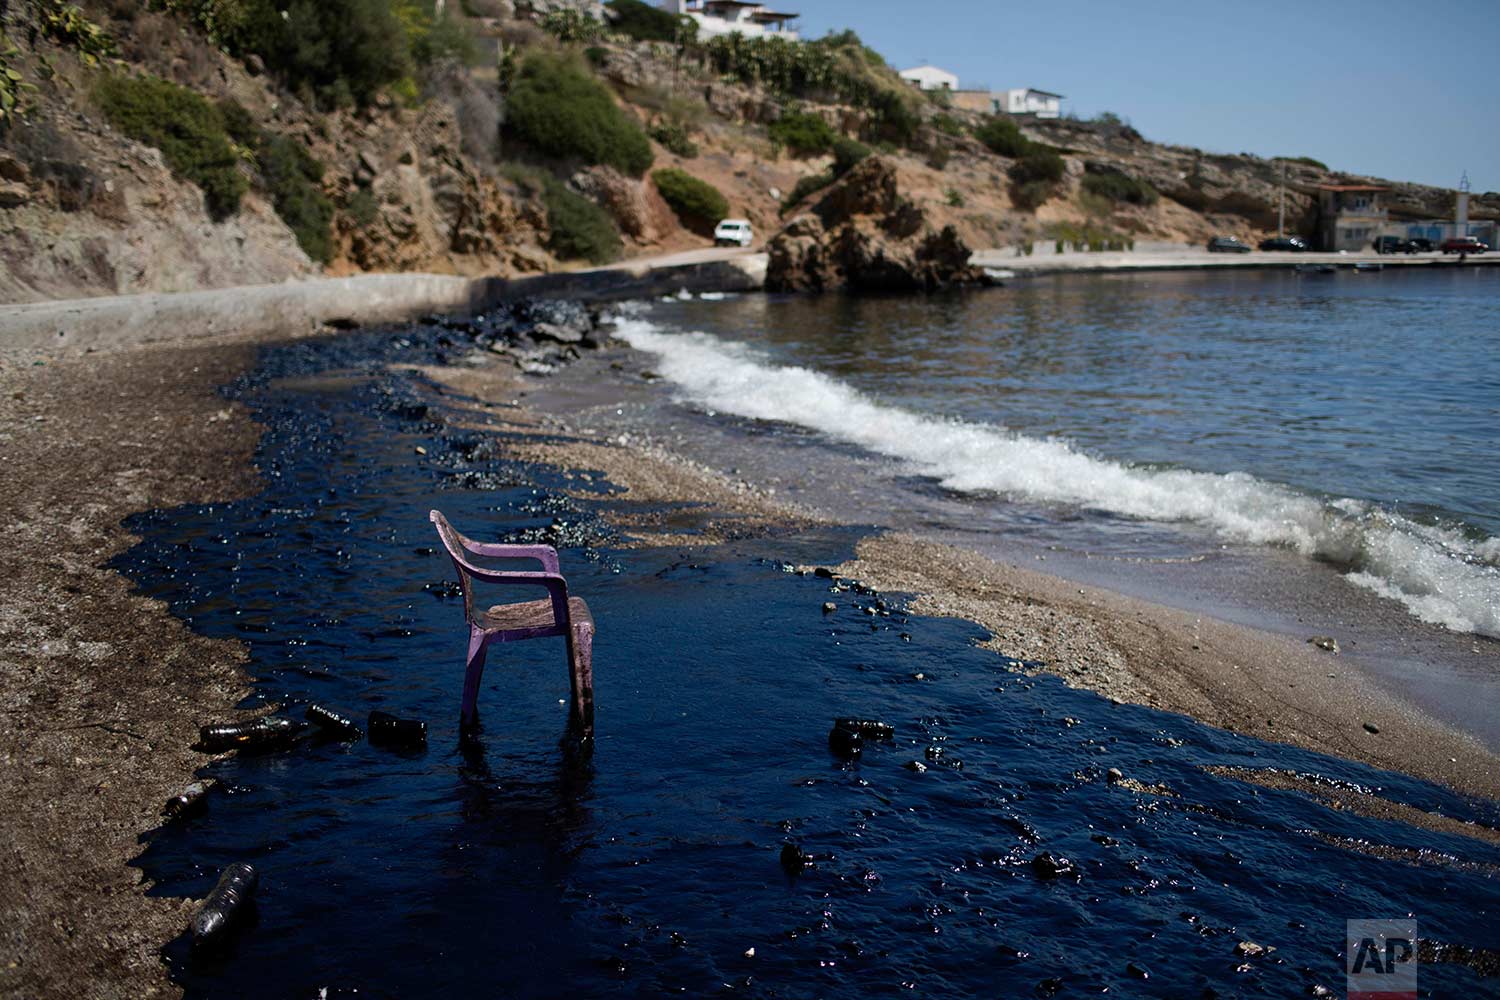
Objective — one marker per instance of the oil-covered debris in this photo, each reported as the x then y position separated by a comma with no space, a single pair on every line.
333,723
1049,866
846,741
867,728
388,730
227,906
191,801
258,735
794,859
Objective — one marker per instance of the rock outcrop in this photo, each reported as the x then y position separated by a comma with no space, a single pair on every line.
864,236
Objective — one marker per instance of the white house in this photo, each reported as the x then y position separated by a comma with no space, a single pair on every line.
743,17
1026,101
930,78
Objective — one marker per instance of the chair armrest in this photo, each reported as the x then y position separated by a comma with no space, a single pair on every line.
544,554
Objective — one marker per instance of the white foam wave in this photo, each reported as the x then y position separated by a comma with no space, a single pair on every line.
1438,573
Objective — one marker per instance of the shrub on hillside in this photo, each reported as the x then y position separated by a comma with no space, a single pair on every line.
836,67
337,51
568,25
697,203
803,134
642,21
561,110
894,117
1038,163
1029,196
806,186
948,125
290,175
578,229
846,153
1002,136
187,129
293,179
1120,188
674,137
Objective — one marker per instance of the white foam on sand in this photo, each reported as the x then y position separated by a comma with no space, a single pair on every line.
1438,573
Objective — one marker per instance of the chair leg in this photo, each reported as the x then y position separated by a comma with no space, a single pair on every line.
473,671
581,669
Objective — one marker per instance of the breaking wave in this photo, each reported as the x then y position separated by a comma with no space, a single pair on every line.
1438,573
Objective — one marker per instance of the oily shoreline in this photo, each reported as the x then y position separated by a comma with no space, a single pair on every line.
102,689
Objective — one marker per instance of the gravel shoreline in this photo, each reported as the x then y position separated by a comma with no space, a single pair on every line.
101,689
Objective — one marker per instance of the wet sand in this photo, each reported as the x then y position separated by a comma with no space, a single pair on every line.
102,690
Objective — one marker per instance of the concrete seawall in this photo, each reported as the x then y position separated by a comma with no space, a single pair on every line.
302,308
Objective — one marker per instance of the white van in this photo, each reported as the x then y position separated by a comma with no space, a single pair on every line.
733,231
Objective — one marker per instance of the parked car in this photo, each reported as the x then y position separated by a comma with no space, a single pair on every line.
1293,244
731,232
1464,244
1227,244
1396,244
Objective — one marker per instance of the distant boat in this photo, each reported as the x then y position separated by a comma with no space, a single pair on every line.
1316,269
1369,265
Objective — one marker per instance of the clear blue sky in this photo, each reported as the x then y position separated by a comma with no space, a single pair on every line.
1401,90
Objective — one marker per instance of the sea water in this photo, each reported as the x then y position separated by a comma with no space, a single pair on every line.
1307,453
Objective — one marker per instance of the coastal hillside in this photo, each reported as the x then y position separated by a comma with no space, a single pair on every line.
183,144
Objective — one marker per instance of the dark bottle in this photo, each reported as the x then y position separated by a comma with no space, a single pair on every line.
227,904
333,723
191,801
388,730
267,733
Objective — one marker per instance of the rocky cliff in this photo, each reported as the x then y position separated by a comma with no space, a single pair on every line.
863,235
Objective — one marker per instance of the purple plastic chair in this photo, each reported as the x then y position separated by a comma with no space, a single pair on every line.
556,614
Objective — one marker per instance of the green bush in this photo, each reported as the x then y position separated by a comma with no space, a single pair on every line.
1038,163
954,197
578,229
803,134
1002,136
572,26
292,177
836,67
642,21
947,124
336,51
1029,196
187,129
846,153
1120,188
362,208
673,135
894,117
806,186
697,203
562,111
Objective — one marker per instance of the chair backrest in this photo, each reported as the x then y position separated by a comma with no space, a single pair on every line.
460,547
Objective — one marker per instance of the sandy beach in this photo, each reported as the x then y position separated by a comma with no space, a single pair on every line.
102,689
